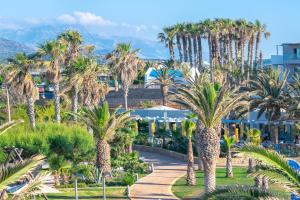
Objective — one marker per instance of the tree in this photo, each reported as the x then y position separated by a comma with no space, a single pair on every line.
167,37
20,79
164,78
54,51
269,96
210,102
103,125
229,141
188,126
126,64
261,29
253,138
276,167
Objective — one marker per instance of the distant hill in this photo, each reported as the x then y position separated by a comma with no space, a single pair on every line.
33,36
9,48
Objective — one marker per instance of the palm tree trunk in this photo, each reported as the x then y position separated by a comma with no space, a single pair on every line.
57,102
200,60
258,37
75,101
185,52
116,84
191,178
179,48
229,171
103,156
171,50
250,165
210,58
198,143
31,113
230,52
243,53
164,91
190,51
275,134
125,97
209,151
196,53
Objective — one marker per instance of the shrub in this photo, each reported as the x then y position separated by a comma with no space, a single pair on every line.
129,179
72,142
130,162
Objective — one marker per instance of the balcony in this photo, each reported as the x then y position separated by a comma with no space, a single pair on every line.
291,57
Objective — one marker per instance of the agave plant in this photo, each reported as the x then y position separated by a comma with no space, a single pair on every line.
276,167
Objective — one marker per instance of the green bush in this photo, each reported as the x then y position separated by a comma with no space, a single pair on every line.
74,143
130,163
129,179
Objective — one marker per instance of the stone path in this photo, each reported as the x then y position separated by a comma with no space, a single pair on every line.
157,185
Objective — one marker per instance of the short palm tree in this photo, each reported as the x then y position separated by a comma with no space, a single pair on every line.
188,127
55,52
253,138
126,64
270,96
104,125
229,141
277,168
210,102
165,79
20,79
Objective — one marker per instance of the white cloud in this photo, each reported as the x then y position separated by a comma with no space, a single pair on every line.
87,18
68,19
84,18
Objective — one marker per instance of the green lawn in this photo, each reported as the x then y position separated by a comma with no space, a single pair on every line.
181,190
89,193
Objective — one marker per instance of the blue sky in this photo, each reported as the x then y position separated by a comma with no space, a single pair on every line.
144,18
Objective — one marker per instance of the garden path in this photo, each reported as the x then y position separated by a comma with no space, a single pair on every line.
157,185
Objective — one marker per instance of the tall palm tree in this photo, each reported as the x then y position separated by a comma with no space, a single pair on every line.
178,31
73,41
270,96
188,127
103,125
210,102
126,63
165,79
261,29
167,37
20,79
229,141
188,28
55,51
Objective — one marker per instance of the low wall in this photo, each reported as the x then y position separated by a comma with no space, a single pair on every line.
165,152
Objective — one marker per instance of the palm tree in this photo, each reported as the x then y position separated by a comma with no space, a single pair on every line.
165,79
35,187
178,31
261,29
126,63
73,41
229,141
210,102
55,50
167,37
253,138
103,125
276,167
269,96
188,126
20,79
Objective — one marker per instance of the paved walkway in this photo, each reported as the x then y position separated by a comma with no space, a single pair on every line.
157,185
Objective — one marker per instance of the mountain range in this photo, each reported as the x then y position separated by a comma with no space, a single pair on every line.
28,39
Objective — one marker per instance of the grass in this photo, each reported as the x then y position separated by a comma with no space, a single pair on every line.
89,193
181,190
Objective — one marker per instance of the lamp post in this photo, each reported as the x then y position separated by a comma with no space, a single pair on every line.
77,176
104,175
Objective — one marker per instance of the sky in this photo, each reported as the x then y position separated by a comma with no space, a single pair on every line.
145,18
